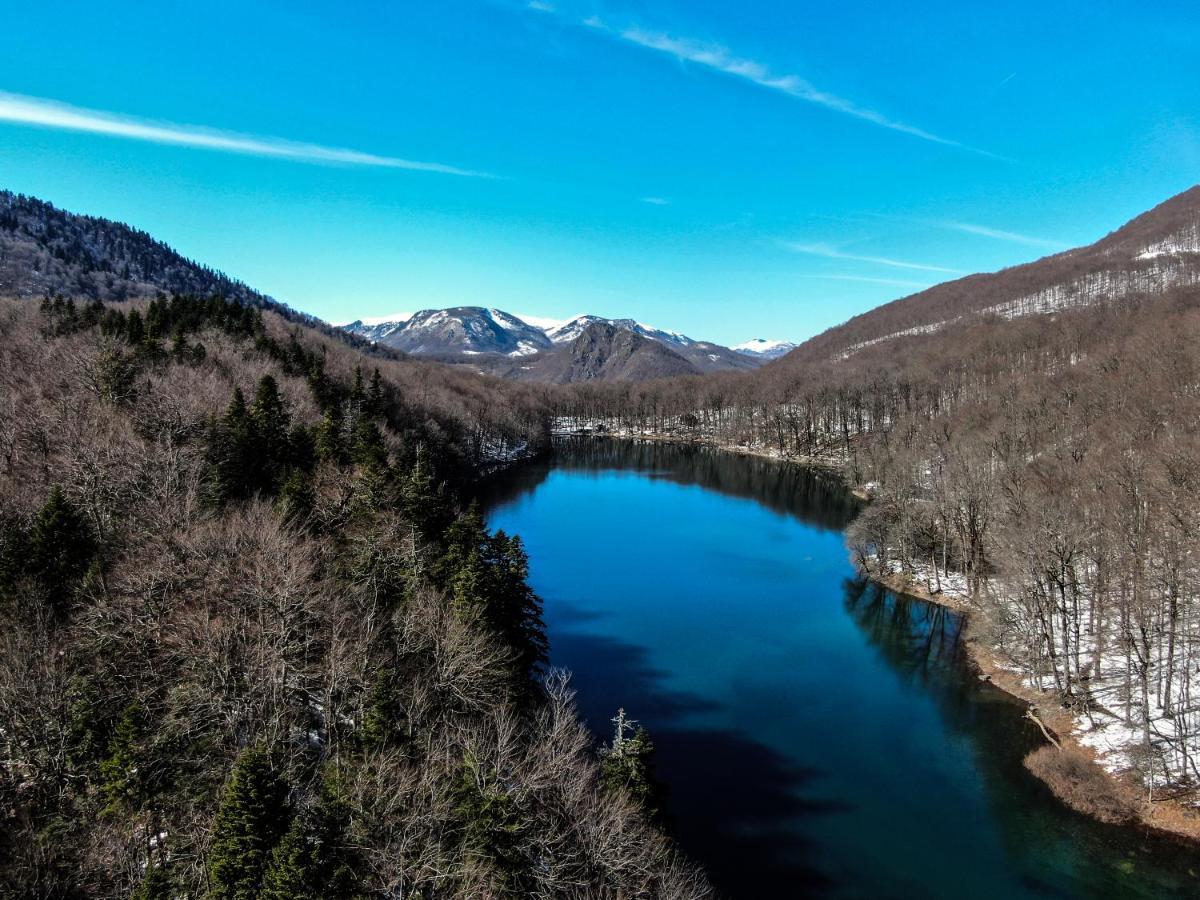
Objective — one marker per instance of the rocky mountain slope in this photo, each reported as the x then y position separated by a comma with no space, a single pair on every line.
602,352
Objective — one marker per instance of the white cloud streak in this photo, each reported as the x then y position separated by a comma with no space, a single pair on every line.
656,201
40,112
998,234
719,59
896,282
830,252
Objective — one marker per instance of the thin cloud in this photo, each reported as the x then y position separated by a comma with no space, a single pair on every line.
656,201
52,114
719,59
540,6
830,252
897,282
1000,235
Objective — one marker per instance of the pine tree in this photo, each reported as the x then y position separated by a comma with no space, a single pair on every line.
157,884
423,502
120,781
296,498
270,420
313,860
629,763
135,330
374,404
250,820
384,721
61,548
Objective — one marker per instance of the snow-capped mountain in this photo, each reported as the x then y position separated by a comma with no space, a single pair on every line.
761,348
475,330
569,330
461,329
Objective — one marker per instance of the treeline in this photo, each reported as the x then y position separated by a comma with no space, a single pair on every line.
254,642
1045,466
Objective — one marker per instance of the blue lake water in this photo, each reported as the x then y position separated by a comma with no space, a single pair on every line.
818,736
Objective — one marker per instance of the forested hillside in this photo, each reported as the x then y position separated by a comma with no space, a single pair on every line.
254,643
1044,465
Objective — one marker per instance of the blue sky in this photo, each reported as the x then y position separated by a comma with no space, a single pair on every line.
727,170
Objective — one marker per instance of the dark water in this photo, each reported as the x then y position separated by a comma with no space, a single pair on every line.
819,736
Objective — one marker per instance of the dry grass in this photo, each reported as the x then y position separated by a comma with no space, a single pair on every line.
1080,784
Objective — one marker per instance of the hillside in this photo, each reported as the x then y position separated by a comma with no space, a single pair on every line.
254,640
1153,253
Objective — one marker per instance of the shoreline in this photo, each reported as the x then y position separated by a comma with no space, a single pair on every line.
1167,818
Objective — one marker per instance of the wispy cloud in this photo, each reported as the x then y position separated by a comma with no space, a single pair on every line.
831,252
897,282
52,114
540,6
656,201
720,59
1000,235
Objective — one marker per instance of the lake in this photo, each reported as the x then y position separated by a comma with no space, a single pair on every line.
818,735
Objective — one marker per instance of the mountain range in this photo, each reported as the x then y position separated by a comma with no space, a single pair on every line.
557,351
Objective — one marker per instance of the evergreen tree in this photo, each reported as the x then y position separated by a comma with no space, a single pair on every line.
231,452
424,502
488,573
328,439
120,778
157,884
384,721
270,420
629,764
374,404
61,548
250,820
135,330
296,498
313,860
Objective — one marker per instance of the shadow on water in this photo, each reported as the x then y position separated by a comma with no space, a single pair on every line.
745,838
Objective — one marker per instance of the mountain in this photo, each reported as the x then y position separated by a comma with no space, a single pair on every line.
45,250
1154,253
603,352
475,331
460,329
761,348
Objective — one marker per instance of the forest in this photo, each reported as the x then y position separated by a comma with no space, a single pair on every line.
255,640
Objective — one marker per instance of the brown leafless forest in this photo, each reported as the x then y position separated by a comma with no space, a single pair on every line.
251,640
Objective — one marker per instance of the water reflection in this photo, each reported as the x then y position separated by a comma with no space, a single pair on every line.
816,497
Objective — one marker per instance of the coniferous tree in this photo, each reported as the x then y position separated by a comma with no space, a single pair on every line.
423,502
135,329
156,884
250,820
120,778
384,722
61,548
629,763
313,861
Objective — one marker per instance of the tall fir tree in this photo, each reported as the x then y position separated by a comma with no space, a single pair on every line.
250,820
61,548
